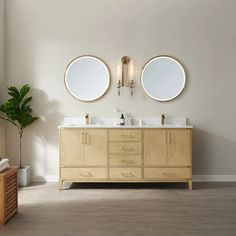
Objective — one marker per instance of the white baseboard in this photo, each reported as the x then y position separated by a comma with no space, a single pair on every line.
196,178
45,179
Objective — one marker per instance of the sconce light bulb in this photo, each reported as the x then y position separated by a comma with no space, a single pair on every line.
119,72
131,71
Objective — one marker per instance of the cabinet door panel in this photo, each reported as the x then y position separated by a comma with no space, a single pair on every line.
95,147
179,148
155,147
71,148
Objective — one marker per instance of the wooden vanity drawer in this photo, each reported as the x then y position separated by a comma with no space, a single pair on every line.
125,173
125,148
125,135
125,160
167,173
83,173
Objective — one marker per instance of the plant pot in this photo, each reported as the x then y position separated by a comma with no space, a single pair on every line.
24,176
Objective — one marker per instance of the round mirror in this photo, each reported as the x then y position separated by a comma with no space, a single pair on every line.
87,78
163,78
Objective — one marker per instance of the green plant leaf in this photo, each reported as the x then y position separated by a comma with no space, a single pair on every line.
24,90
14,101
14,92
25,101
17,108
26,120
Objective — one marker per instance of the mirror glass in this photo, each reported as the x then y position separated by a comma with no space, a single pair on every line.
87,78
163,78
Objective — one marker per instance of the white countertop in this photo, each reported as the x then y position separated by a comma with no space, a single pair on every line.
134,123
100,126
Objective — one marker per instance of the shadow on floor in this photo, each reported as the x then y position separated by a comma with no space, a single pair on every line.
127,186
176,186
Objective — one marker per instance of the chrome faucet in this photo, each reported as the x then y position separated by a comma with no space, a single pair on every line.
162,119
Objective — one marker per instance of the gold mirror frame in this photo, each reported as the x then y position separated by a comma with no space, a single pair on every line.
180,66
106,68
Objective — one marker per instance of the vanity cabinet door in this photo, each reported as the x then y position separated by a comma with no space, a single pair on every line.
179,147
95,147
71,147
155,147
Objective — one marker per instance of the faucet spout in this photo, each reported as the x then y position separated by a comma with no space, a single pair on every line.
162,119
87,119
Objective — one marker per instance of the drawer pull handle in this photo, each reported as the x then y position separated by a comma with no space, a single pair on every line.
169,138
128,161
127,135
86,175
87,138
83,137
127,175
127,149
171,174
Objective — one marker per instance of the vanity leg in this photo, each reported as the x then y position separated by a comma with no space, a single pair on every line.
190,184
60,184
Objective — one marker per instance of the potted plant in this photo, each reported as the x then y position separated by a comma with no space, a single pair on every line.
17,111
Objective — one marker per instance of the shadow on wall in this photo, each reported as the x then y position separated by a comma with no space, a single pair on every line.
211,148
2,139
40,140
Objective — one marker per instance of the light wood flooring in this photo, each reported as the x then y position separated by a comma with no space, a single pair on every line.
125,210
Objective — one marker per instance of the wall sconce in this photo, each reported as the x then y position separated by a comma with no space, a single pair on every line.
125,74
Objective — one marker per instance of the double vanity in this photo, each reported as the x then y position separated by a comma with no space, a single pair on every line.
131,153
142,151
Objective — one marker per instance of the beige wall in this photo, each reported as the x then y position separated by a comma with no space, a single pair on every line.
43,36
2,73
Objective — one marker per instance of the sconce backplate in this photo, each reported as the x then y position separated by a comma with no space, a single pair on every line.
125,60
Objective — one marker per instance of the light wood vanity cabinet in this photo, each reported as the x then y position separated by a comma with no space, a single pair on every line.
83,155
165,147
126,155
154,147
83,148
71,147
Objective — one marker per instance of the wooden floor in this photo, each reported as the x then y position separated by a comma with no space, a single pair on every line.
140,210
